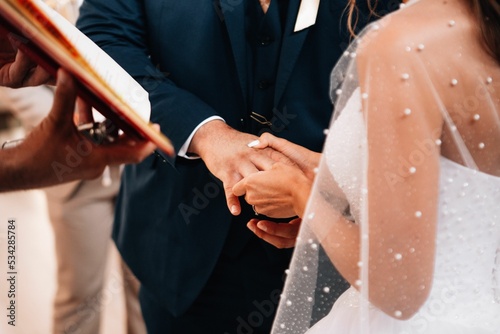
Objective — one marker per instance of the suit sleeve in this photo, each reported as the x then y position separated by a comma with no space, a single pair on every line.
119,28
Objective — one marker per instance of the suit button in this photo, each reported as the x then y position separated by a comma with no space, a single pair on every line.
265,40
263,84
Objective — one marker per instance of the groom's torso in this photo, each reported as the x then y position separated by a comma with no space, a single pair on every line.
172,220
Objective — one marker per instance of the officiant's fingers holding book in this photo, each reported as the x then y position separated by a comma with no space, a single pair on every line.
16,68
56,152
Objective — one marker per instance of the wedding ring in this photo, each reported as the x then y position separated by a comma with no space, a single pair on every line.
255,211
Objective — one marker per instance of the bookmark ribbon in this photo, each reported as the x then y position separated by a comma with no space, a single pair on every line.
308,11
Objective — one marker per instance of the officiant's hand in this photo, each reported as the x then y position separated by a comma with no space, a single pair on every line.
281,235
16,68
56,152
227,155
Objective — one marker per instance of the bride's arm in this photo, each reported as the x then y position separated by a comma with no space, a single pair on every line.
400,206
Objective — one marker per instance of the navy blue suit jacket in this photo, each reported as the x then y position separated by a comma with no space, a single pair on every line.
172,219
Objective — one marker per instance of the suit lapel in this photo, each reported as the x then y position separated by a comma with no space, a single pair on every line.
234,16
290,50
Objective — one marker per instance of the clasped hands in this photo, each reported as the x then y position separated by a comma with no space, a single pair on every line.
274,176
280,191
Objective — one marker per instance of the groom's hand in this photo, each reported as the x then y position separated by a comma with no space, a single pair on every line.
226,154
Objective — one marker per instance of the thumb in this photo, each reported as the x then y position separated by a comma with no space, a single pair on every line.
276,143
265,140
64,100
268,140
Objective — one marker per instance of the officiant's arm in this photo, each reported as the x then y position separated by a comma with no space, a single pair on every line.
56,152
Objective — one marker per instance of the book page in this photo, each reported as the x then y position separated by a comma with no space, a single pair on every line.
129,90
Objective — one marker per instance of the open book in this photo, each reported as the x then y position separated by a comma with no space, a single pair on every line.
53,42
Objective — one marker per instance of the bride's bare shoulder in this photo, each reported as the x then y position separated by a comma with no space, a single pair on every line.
420,24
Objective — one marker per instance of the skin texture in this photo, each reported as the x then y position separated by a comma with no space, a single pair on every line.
236,160
280,191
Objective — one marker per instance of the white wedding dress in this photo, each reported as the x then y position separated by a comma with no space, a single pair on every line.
406,201
465,295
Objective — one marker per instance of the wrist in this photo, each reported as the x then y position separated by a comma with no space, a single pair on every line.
314,161
205,135
302,189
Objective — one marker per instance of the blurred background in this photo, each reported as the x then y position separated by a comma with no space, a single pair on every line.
70,277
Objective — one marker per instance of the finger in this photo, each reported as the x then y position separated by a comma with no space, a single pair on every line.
264,141
24,68
64,100
262,161
83,113
265,159
279,144
248,168
289,230
239,189
38,76
278,156
278,242
20,70
233,203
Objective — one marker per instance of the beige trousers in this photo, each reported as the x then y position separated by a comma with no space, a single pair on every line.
82,215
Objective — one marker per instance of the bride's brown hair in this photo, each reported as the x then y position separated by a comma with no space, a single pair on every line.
487,13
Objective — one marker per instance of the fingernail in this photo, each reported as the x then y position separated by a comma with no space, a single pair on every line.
262,227
234,210
254,143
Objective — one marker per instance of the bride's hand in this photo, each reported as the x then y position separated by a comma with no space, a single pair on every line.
281,235
305,159
280,192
